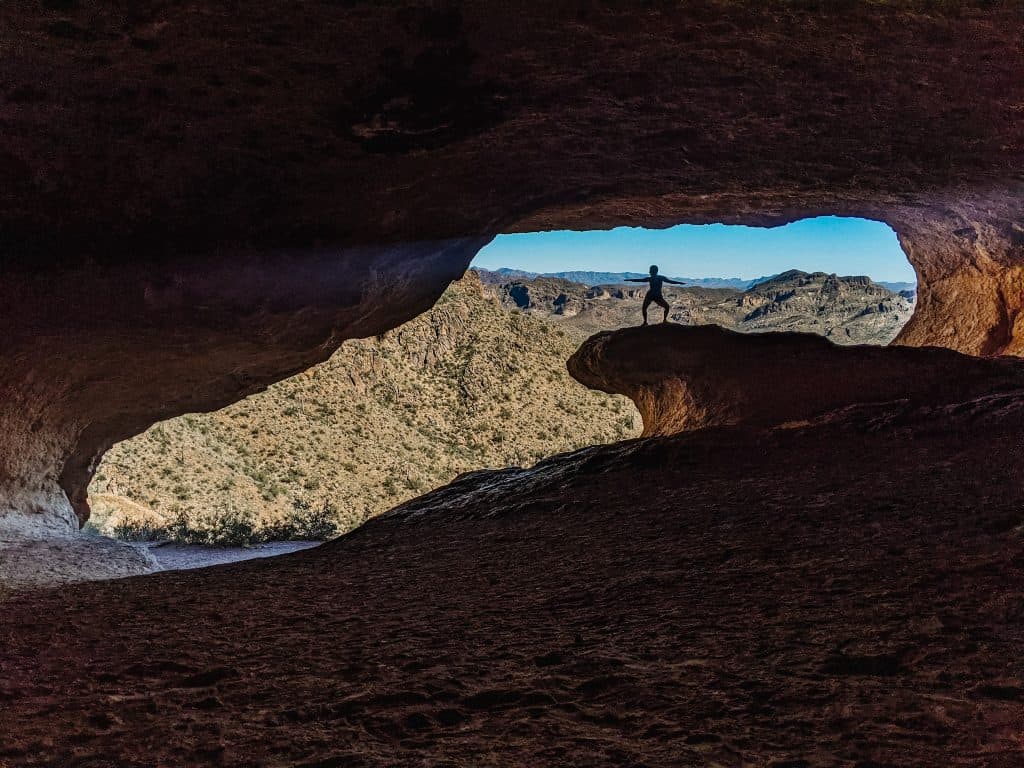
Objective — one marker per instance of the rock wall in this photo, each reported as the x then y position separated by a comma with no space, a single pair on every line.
199,200
97,354
689,377
969,257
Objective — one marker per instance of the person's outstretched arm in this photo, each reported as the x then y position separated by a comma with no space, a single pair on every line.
637,279
674,282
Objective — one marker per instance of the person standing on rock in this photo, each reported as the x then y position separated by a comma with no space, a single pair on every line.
654,292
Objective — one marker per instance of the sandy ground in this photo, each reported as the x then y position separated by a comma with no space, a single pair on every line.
37,563
841,596
32,564
177,557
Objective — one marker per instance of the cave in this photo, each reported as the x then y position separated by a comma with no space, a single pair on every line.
202,201
479,381
175,257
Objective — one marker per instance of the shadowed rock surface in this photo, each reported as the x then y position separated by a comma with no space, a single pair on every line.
683,378
139,343
841,594
199,201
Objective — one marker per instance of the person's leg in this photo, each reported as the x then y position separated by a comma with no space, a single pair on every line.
664,306
647,303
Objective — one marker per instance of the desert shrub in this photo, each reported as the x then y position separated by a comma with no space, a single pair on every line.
304,522
231,527
224,527
138,530
414,484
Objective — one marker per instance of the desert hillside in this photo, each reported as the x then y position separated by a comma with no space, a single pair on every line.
847,310
465,386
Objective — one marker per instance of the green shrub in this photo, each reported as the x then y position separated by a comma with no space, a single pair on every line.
306,523
135,530
230,527
225,527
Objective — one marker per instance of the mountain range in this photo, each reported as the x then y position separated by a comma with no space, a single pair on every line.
585,277
847,310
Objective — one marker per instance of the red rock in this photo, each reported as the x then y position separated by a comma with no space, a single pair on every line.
200,201
688,377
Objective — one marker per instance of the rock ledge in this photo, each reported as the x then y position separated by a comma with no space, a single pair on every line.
688,377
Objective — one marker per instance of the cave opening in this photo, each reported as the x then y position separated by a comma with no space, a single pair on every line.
479,380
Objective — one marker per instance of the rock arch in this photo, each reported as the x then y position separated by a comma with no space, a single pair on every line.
197,203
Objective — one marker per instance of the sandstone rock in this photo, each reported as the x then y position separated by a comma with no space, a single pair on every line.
684,378
33,562
625,605
135,345
193,210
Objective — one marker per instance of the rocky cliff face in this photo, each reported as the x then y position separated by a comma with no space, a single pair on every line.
200,202
846,310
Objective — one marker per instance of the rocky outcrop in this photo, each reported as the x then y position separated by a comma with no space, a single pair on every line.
200,201
685,378
970,266
847,310
835,595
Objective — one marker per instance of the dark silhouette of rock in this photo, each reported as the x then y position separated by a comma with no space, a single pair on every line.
683,378
846,592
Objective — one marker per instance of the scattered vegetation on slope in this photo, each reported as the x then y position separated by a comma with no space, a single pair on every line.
467,385
478,381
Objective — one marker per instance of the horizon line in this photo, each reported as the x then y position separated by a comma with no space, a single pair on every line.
559,272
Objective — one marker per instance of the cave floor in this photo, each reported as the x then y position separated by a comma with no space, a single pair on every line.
840,594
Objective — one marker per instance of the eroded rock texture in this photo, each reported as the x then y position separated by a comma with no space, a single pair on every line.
129,345
196,198
970,264
684,378
841,594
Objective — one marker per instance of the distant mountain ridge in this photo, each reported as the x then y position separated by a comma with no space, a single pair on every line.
846,309
898,287
590,278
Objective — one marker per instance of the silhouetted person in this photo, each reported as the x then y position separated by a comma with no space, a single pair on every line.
654,292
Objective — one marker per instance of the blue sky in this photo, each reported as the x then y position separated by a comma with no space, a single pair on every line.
846,246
